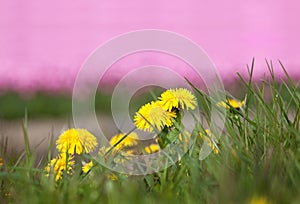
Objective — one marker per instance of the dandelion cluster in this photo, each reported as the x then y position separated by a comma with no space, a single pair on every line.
161,117
70,143
162,113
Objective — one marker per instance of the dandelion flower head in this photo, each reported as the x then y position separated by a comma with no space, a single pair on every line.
153,115
76,141
178,98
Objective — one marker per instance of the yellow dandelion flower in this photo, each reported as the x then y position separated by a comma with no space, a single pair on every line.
129,141
87,166
259,200
209,138
153,115
178,98
152,148
69,142
76,141
232,103
60,164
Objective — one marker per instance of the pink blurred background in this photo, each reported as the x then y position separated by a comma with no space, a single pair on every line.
44,43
